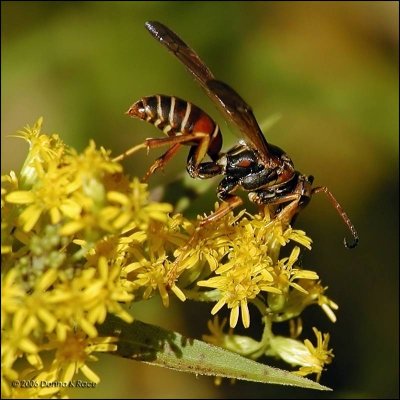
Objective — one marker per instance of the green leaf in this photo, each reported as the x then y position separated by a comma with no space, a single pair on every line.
153,345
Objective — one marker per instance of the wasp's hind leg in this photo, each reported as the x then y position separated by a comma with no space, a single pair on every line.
161,161
201,141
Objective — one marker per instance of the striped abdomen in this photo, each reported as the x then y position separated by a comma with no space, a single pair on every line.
176,117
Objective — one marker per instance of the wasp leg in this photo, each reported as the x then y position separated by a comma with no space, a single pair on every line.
288,211
197,138
200,140
202,170
342,214
197,151
228,205
162,161
129,152
229,202
195,168
225,188
196,154
208,170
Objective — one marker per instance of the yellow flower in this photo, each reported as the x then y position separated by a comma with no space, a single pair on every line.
248,268
295,301
108,294
208,245
91,164
43,150
149,276
73,353
246,273
50,194
310,358
88,297
316,295
82,241
23,314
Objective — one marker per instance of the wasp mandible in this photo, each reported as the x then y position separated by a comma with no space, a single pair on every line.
260,168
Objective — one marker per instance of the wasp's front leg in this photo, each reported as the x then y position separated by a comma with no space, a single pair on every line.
269,198
229,202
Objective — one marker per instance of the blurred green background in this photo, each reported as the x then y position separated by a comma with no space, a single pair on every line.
330,69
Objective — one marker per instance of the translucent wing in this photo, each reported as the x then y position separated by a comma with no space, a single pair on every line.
233,107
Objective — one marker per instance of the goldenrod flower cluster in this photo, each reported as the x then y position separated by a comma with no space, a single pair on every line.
81,240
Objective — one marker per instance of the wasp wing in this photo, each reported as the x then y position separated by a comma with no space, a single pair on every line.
240,113
181,50
231,104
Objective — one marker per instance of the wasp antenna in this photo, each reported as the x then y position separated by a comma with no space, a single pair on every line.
353,231
342,214
353,244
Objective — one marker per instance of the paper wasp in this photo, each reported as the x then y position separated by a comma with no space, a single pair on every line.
254,165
